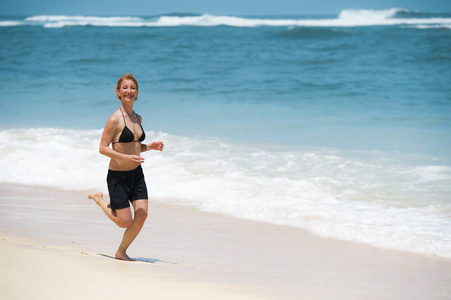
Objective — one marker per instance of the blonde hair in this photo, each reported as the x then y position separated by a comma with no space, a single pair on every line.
124,77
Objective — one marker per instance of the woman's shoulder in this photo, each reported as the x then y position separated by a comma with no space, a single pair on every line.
138,116
115,118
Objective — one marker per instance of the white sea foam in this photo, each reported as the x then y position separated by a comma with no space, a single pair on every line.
50,21
10,23
364,15
447,26
346,18
51,157
54,18
365,197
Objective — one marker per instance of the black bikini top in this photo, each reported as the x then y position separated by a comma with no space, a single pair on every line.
127,135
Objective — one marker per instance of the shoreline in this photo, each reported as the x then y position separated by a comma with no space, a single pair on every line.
187,253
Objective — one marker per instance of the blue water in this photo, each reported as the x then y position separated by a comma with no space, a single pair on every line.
366,87
354,109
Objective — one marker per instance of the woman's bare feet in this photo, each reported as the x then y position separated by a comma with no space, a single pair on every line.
98,198
122,256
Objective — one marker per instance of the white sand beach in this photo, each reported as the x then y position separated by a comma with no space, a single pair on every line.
59,245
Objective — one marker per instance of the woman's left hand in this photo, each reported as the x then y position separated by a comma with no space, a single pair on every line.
156,146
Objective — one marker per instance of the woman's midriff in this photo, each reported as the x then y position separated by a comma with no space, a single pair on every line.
133,148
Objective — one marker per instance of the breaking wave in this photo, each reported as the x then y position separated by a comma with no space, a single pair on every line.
351,196
346,18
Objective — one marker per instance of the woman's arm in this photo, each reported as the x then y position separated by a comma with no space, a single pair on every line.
107,138
153,146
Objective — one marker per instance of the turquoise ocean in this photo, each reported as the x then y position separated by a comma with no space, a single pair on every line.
338,124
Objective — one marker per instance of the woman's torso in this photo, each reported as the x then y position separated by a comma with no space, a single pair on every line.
129,128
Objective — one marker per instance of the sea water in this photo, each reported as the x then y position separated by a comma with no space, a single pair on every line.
336,124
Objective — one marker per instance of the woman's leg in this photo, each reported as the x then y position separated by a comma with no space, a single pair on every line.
120,217
140,207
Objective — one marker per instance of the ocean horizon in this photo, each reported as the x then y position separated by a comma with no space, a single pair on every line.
336,124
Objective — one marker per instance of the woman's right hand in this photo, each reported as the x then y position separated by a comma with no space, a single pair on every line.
135,160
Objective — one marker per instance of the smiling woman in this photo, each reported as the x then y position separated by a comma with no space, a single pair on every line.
125,178
339,127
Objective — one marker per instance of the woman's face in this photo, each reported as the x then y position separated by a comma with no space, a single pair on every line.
127,91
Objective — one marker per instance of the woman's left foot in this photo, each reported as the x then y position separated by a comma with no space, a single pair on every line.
98,198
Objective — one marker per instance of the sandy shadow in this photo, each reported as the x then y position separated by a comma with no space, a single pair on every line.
142,259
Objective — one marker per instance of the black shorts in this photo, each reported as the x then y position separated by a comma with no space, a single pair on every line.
125,186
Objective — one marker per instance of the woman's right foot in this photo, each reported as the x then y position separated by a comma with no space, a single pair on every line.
123,256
